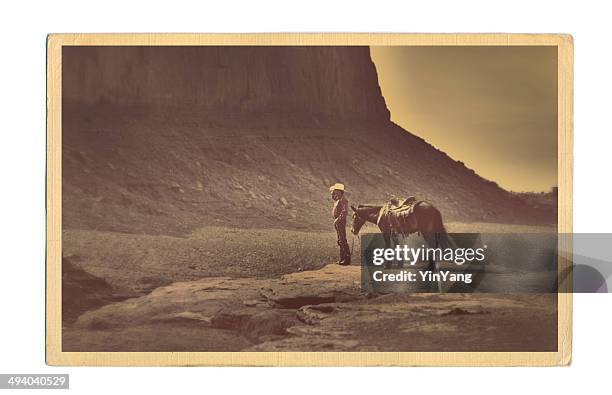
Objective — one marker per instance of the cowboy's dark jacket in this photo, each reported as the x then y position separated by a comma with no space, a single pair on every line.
340,209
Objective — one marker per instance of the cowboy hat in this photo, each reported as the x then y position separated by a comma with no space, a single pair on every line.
337,186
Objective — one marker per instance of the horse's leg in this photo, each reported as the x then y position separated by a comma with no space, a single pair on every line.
395,239
387,237
432,239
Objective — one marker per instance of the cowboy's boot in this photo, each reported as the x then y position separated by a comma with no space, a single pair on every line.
345,259
339,261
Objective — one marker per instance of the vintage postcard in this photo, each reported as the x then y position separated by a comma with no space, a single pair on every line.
309,199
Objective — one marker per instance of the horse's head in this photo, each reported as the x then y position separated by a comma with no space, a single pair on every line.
358,220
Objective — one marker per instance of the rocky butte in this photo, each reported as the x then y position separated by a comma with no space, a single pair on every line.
164,140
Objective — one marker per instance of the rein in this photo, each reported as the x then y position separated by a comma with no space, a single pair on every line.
357,236
353,242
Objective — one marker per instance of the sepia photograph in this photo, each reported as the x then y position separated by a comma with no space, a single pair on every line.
373,196
271,197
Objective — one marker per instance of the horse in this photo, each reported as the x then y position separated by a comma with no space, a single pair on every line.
427,221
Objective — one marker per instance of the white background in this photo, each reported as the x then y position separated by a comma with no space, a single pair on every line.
22,94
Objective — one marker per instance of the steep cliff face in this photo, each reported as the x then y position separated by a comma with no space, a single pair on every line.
303,84
166,140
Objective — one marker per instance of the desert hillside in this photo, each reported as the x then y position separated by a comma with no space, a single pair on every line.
167,140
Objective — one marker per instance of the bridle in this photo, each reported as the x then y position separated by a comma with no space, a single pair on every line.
362,217
357,235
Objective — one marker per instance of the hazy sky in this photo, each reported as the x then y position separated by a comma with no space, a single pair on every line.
494,108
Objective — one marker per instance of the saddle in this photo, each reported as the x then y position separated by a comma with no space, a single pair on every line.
400,215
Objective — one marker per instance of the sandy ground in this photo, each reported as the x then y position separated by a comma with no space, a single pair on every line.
222,289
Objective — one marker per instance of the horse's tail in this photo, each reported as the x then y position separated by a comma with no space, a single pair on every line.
443,240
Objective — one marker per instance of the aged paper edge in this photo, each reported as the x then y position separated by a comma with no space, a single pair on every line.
54,353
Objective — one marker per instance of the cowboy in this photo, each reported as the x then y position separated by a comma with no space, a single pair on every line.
339,213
